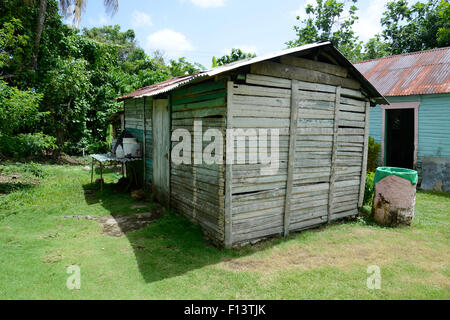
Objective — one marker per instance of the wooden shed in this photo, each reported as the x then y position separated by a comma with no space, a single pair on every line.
316,99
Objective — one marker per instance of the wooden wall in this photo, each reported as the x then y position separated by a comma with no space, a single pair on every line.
321,116
134,123
197,190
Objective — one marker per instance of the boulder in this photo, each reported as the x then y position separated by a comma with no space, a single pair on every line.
394,202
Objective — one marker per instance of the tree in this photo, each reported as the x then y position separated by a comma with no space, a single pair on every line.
125,41
235,55
182,67
418,27
78,7
328,20
375,48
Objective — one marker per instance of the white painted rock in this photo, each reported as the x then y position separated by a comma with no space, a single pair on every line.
394,202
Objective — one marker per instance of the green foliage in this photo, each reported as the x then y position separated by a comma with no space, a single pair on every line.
98,147
18,109
406,28
79,74
421,26
235,55
369,189
109,135
26,145
182,67
328,20
373,155
375,48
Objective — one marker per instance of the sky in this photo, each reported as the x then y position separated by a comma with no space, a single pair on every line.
200,29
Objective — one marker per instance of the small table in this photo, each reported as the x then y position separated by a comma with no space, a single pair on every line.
108,157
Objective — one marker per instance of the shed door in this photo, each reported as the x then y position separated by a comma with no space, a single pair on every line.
161,150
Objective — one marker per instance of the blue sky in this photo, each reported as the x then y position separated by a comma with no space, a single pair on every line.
200,29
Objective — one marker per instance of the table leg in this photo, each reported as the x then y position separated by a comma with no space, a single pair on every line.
92,170
101,177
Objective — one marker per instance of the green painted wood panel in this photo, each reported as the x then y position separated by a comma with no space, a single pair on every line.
375,123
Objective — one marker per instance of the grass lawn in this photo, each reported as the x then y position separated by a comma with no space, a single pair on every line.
170,258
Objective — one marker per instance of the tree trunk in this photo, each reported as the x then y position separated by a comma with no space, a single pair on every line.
39,29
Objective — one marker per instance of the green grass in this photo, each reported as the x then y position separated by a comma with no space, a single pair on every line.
170,259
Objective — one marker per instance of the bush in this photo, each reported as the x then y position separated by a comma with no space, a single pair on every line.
98,147
369,189
373,154
27,145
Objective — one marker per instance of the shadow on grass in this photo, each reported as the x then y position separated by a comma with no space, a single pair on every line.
9,187
168,246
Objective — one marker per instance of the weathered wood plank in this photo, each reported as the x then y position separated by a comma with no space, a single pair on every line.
199,105
262,101
256,79
242,89
229,173
290,175
315,65
364,160
337,115
274,69
200,113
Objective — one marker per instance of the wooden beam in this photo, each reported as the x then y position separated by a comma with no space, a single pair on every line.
144,146
329,57
364,164
315,65
337,107
228,234
291,156
274,69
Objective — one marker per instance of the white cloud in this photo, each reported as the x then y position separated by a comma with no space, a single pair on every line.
171,42
369,24
141,19
208,3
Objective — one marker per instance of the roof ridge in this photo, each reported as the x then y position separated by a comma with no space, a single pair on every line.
403,54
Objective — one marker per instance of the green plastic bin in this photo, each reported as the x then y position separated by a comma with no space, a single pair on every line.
394,198
408,174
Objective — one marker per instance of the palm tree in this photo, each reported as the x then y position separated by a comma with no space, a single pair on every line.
78,6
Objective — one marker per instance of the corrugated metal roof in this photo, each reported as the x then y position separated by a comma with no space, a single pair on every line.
424,72
171,84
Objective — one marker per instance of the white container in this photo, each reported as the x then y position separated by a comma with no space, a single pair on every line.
131,148
119,152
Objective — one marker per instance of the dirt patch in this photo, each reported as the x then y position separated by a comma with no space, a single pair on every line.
14,181
360,248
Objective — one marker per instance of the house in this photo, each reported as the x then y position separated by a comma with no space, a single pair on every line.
414,130
309,105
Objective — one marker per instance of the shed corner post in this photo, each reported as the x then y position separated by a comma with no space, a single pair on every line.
337,107
291,156
144,154
228,234
365,154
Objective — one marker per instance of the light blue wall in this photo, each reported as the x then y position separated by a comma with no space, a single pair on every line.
434,124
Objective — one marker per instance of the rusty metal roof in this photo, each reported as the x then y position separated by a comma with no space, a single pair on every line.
171,84
424,72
